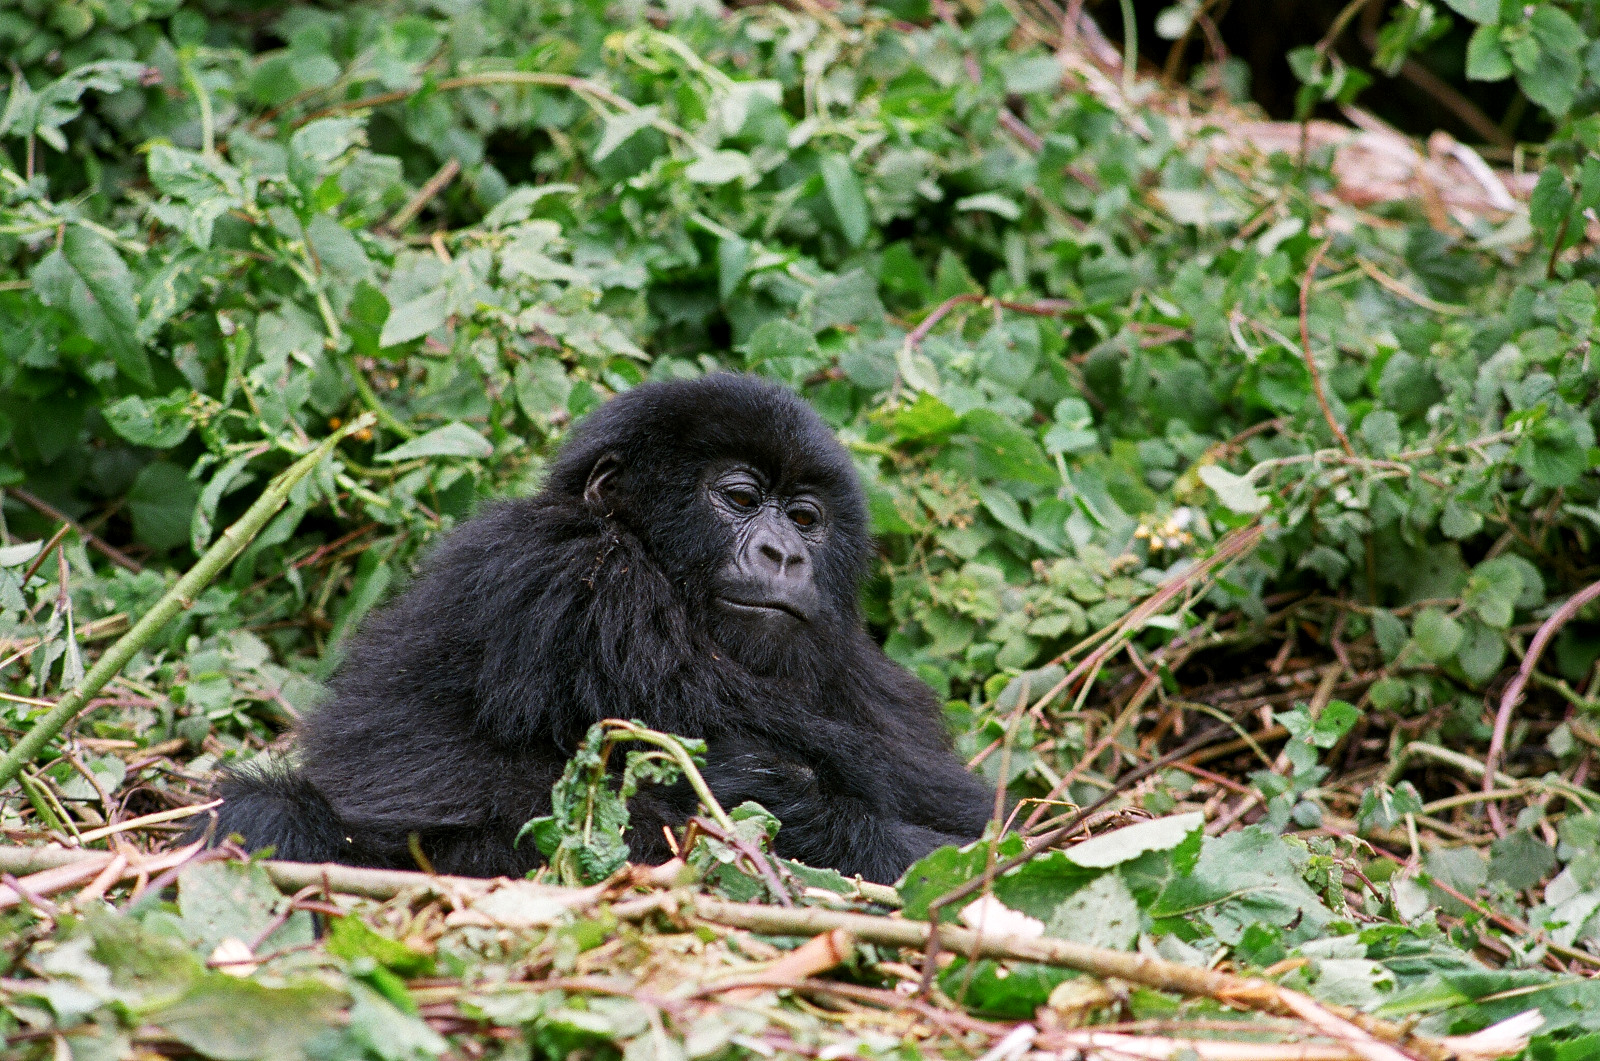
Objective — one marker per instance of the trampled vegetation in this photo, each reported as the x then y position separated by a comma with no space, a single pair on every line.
1238,494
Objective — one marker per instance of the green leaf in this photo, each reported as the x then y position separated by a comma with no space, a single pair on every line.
582,837
416,318
850,298
1011,990
218,901
844,193
543,388
1548,66
784,348
733,261
157,424
719,167
454,439
89,279
1408,385
1487,58
1520,860
1463,868
1553,454
1328,729
946,868
1389,694
619,128
1004,508
325,139
390,1032
1243,878
1480,11
991,203
1482,652
19,554
231,1019
1380,429
1002,450
1384,808
373,577
43,113
925,419
350,938
1234,491
1494,588
1549,201
1131,841
1459,522
1437,636
162,501
200,524
1031,73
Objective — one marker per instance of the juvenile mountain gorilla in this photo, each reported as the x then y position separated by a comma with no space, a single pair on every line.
693,562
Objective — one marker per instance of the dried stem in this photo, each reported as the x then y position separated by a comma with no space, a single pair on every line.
1305,349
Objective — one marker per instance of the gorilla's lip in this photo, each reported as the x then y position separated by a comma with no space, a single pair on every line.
770,605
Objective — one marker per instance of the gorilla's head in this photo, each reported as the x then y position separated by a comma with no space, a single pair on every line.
741,496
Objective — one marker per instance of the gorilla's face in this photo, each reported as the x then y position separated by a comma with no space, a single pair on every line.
746,503
768,579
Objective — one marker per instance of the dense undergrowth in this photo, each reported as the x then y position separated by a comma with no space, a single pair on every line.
1300,476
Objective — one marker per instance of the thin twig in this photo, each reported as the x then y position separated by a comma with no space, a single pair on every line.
435,184
1235,545
1513,693
45,508
1305,348
157,818
1147,687
49,547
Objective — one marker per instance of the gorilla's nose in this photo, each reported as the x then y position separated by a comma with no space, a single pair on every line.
778,556
772,573
779,560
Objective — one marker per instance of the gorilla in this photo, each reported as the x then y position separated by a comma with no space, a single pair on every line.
694,562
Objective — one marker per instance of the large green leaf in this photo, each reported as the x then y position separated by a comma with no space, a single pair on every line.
451,440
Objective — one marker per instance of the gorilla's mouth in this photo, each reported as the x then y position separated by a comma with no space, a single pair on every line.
767,607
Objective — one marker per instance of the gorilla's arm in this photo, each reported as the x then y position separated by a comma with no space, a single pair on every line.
930,786
870,795
822,823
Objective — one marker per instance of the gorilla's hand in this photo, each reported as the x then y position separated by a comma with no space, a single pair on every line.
744,770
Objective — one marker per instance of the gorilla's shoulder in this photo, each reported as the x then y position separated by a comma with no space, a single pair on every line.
530,528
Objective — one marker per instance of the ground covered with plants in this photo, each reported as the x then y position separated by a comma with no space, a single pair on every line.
1236,485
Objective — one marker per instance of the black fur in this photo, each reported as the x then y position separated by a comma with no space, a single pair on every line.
457,706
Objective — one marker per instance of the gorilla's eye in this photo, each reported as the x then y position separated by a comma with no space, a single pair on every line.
742,499
803,517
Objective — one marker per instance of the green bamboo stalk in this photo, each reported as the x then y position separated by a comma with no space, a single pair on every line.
180,597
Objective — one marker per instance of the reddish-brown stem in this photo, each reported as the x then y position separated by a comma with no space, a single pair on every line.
44,508
1305,349
1513,693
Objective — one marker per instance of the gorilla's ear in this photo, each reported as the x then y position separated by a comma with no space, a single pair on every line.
594,490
